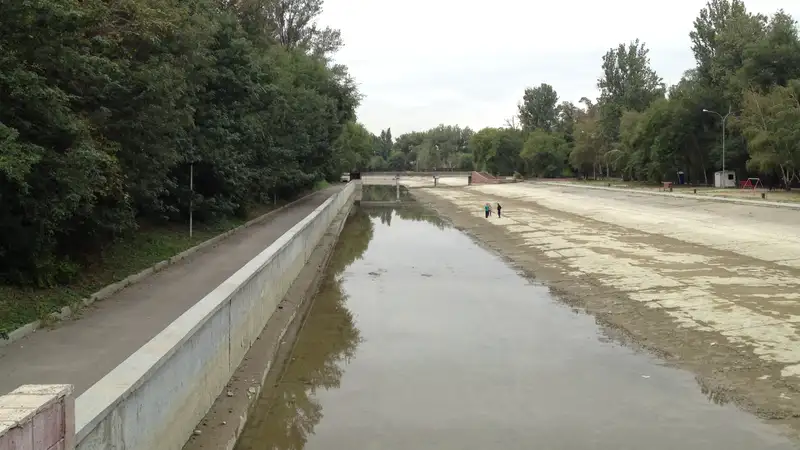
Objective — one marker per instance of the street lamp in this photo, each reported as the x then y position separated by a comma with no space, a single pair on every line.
724,119
191,198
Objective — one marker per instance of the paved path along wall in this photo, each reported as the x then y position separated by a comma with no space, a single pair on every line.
81,351
155,398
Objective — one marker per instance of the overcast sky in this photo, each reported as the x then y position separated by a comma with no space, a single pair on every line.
420,63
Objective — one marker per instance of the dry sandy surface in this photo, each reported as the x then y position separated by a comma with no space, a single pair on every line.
712,287
732,192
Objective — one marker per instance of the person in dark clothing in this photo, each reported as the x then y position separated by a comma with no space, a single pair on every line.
498,209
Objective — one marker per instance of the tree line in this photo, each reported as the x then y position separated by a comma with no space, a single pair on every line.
747,65
106,105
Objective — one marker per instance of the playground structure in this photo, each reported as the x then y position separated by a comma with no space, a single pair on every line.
751,183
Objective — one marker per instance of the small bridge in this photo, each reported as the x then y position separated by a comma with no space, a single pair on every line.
416,179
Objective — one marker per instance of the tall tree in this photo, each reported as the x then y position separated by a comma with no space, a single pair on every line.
106,105
385,143
628,81
496,150
773,59
568,115
292,23
545,154
354,147
538,108
771,122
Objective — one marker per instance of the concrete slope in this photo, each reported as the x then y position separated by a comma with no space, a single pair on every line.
82,351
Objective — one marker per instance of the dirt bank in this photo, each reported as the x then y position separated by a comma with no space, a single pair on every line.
726,316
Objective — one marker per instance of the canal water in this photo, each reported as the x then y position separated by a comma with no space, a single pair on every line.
422,339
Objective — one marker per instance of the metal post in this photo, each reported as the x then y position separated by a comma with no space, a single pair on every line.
724,119
191,199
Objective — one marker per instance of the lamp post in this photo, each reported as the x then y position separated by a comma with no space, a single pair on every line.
191,198
724,119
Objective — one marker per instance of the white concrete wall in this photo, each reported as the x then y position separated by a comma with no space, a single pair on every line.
155,398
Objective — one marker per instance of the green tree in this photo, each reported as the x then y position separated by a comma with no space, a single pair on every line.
586,154
354,147
397,160
378,164
538,109
628,83
545,154
771,123
496,150
106,105
568,116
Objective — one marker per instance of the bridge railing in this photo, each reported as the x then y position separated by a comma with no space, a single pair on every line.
416,174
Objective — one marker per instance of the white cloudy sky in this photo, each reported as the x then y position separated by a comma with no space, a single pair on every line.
425,62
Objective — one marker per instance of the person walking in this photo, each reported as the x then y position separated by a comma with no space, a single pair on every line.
487,209
498,210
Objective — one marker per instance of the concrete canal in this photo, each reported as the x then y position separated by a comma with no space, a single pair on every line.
422,339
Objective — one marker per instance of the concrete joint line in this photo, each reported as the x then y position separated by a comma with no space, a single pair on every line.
107,291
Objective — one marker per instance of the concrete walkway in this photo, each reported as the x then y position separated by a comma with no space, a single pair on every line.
82,351
701,196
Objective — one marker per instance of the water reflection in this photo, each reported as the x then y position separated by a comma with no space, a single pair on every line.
415,213
286,416
383,193
461,353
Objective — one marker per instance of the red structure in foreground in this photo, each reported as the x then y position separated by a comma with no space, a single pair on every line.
484,178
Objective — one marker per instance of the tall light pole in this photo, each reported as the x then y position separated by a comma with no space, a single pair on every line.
191,198
724,119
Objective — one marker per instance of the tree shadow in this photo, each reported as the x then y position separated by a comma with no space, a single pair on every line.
416,213
324,347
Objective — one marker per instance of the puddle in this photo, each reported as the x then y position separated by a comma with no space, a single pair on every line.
421,339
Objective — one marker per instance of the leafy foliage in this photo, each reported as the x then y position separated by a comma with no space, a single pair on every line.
105,105
638,129
538,109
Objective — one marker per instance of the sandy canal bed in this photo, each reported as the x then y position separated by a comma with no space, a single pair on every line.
710,287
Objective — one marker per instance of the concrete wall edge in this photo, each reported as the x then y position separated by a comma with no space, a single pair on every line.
94,405
111,289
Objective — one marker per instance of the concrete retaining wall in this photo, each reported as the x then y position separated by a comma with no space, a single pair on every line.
106,292
155,398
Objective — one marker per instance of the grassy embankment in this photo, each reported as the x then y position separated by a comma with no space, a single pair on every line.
144,248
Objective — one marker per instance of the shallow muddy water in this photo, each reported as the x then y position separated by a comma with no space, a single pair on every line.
422,339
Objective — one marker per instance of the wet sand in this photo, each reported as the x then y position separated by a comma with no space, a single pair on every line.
421,338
